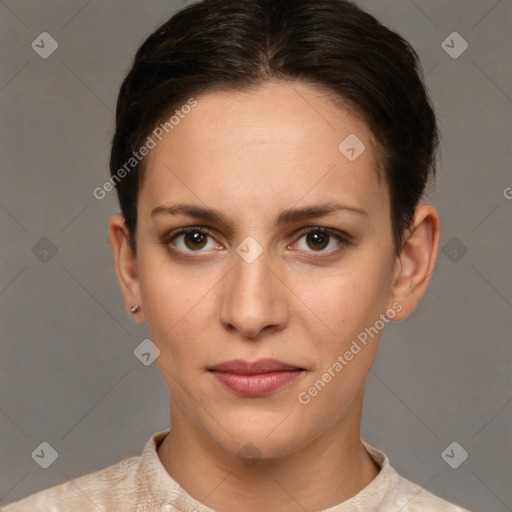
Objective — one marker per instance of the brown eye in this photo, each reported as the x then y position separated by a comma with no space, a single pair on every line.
195,240
318,240
189,240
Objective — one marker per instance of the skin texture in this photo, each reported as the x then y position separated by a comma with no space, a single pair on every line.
250,155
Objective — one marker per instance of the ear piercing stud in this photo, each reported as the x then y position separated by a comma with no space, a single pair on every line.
134,309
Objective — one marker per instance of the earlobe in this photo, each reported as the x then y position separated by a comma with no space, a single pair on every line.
417,260
125,263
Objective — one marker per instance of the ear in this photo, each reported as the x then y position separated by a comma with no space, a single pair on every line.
416,261
125,263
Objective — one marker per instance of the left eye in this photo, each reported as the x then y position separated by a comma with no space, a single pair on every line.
319,238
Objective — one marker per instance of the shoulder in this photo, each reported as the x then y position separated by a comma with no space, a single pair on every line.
390,492
407,496
101,490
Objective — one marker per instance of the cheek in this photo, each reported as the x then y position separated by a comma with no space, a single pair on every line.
342,304
350,304
176,305
344,355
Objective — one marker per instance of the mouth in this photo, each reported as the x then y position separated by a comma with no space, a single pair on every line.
255,379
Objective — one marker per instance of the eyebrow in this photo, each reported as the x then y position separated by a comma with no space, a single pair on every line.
287,216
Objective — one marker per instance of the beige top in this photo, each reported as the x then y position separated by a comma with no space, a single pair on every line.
142,484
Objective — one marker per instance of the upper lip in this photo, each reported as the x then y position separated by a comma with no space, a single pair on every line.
255,367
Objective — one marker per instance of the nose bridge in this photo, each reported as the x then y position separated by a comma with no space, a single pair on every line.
253,296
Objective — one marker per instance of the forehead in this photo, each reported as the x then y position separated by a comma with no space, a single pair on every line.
278,142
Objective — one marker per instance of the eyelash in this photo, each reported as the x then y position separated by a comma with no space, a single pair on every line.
344,239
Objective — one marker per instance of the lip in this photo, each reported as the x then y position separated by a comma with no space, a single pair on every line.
257,378
239,366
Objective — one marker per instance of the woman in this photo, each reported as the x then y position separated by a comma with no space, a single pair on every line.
270,160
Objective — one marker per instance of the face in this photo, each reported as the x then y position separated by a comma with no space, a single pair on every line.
266,278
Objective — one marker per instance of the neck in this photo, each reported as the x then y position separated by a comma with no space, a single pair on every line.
325,472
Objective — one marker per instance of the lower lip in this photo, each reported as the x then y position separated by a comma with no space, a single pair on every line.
257,384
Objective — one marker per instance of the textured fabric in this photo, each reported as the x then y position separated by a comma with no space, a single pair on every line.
142,484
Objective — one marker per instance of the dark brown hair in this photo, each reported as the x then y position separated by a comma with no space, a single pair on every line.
238,44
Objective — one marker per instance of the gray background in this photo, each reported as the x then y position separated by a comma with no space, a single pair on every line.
68,375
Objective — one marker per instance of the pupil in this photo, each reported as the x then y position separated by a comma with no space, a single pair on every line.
196,237
319,237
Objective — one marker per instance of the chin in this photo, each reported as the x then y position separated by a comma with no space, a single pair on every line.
248,438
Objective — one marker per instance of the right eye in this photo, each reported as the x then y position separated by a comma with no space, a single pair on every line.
189,240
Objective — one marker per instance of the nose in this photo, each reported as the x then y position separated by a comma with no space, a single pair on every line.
254,298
